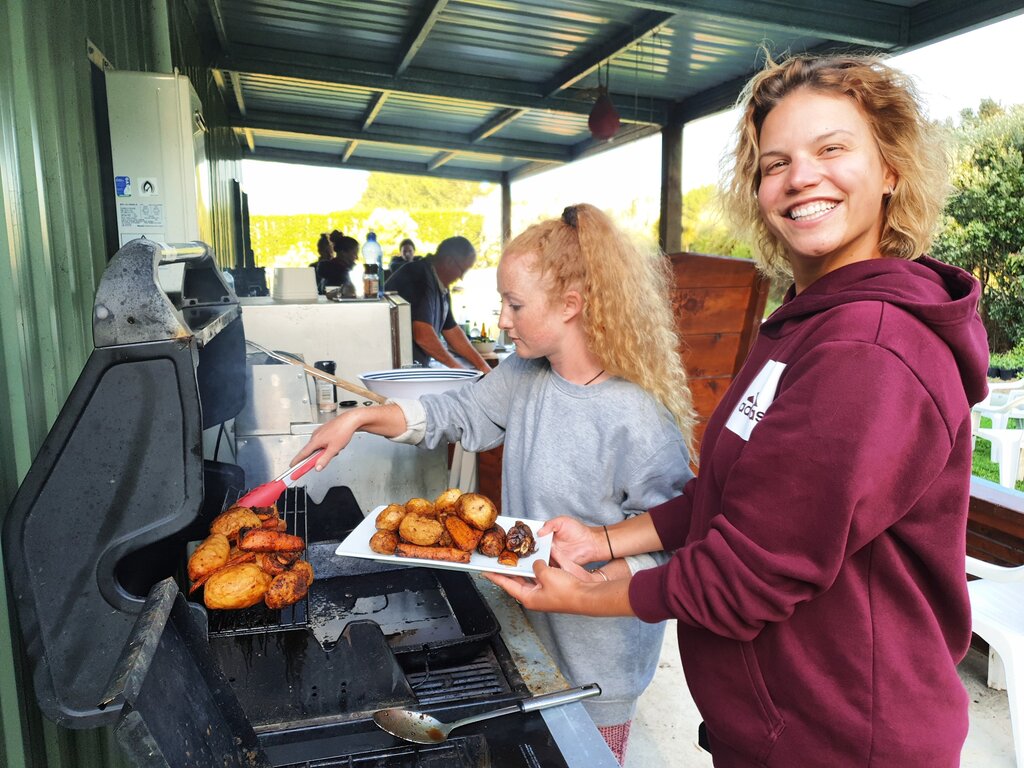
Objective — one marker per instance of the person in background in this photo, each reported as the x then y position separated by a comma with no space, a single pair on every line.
336,271
325,253
595,416
425,285
406,254
818,577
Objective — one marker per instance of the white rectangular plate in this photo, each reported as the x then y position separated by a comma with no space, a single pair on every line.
357,544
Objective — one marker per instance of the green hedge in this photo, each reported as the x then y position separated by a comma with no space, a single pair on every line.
291,240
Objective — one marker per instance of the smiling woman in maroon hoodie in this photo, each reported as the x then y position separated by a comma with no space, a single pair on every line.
818,575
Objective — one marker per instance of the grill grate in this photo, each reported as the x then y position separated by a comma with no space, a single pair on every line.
457,752
292,507
479,678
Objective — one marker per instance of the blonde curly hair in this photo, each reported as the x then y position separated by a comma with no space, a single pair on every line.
910,145
627,315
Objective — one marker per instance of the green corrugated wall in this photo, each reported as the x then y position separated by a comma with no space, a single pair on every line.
51,257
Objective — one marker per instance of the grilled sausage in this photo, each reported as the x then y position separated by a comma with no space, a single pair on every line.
432,553
261,540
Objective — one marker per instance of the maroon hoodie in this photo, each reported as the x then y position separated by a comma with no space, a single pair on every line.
819,580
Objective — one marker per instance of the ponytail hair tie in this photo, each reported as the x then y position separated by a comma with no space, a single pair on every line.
570,216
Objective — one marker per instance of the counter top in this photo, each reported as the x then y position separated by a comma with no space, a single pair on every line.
573,730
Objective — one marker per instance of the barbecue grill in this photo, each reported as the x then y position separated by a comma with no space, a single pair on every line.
95,544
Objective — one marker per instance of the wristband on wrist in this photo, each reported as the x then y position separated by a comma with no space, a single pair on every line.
608,538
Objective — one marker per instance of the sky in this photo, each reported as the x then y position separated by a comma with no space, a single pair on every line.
951,75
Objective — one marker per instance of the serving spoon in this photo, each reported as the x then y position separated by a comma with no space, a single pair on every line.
421,728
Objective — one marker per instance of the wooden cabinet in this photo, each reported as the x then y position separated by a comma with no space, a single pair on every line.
718,302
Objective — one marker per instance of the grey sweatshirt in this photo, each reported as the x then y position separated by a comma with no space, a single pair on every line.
600,453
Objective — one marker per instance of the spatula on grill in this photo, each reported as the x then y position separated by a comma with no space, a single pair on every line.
266,494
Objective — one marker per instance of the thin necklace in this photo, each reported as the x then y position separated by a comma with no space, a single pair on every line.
594,379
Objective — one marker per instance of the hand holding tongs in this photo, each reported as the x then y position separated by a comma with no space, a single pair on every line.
268,493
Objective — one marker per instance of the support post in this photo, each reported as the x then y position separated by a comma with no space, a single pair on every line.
670,222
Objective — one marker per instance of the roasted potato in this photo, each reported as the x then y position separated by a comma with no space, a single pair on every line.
477,510
236,586
445,503
390,517
384,542
212,554
466,537
423,531
492,542
420,507
235,519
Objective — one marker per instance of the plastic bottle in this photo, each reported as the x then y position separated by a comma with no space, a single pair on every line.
374,254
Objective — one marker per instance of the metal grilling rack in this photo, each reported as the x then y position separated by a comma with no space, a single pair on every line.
292,506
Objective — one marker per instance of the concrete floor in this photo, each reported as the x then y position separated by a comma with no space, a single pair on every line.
664,732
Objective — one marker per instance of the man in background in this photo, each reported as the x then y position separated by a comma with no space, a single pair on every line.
425,285
406,254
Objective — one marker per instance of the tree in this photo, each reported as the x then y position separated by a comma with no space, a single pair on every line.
704,230
983,224
419,193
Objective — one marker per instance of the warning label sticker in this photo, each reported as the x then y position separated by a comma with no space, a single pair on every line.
135,215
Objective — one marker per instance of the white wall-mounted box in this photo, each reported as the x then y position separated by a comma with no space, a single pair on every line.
158,152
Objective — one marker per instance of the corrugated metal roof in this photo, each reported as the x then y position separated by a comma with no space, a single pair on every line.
514,80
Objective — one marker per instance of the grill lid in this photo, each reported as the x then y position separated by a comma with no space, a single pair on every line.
177,709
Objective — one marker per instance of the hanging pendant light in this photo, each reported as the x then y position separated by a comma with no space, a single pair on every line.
604,118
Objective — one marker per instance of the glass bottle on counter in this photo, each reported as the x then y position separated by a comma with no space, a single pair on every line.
326,394
371,281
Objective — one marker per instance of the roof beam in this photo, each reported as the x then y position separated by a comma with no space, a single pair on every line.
494,91
599,54
388,134
419,34
440,159
348,151
374,109
496,123
218,24
236,87
863,22
723,96
370,164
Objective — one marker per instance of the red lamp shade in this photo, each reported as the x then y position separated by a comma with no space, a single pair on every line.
604,119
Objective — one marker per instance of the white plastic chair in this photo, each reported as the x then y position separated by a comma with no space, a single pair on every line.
1000,405
997,615
1007,444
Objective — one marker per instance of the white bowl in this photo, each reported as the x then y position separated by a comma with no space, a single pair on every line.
483,347
414,382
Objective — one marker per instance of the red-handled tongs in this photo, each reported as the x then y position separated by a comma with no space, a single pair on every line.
268,493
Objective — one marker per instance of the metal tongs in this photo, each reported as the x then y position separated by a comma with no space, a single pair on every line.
265,495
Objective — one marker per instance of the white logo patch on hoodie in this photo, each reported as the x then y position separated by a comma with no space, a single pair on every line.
756,400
